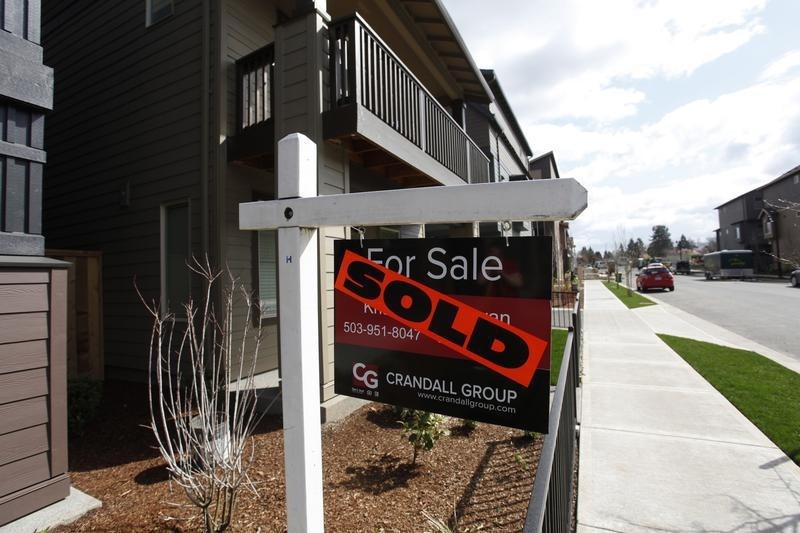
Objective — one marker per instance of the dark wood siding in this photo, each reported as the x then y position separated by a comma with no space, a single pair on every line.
124,139
33,415
21,164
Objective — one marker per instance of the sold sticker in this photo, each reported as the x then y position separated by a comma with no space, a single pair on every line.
501,347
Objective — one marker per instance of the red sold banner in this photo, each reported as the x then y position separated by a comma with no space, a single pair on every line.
500,347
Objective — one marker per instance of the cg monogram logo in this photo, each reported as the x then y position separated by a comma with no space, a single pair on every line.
365,376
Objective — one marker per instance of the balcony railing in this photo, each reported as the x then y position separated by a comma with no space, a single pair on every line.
254,98
365,71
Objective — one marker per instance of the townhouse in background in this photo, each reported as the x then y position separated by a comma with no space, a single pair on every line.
33,288
762,220
167,117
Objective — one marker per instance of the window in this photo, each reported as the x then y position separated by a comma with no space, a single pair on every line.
157,10
267,274
738,234
767,227
175,254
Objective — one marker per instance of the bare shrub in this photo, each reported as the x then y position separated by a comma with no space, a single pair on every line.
202,398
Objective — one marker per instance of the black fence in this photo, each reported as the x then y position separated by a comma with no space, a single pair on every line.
551,506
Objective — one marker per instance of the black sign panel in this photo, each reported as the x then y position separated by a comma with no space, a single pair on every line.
455,326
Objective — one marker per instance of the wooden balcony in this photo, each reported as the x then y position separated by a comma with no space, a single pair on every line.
377,102
255,131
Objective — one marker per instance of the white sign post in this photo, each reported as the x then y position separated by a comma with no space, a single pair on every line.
296,215
298,298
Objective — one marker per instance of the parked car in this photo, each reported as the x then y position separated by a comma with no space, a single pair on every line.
795,278
654,276
683,267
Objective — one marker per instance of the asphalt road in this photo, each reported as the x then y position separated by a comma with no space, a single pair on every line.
764,311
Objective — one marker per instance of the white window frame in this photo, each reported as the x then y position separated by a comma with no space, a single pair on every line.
148,21
164,307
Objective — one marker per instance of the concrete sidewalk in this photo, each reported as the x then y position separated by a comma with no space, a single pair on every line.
662,450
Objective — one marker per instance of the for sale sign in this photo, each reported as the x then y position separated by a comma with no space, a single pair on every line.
455,326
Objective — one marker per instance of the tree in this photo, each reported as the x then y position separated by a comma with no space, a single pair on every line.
635,249
684,244
660,242
709,246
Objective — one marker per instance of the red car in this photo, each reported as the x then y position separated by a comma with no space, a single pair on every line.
655,276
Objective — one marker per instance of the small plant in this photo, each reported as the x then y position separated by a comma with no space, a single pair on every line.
84,399
521,462
422,429
469,425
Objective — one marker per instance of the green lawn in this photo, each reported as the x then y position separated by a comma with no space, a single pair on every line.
558,341
764,391
632,300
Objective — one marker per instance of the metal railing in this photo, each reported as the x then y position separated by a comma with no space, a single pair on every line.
366,71
563,303
551,505
255,87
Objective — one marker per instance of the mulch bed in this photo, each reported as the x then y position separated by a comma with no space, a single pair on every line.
482,477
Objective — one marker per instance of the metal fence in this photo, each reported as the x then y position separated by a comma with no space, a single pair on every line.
551,505
563,304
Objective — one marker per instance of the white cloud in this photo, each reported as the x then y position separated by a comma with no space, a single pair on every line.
744,128
577,58
786,64
574,69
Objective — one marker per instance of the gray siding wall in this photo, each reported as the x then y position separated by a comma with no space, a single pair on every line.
248,26
301,48
333,179
788,221
124,139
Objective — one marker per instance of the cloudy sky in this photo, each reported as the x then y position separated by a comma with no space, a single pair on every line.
662,109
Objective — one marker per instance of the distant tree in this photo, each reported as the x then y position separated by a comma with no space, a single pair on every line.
635,249
608,255
709,246
640,246
684,244
660,242
586,256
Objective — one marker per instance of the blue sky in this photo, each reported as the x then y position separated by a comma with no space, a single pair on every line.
662,109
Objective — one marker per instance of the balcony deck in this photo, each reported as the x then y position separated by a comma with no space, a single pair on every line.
389,121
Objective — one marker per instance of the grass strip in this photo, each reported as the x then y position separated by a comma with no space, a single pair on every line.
765,392
558,342
629,297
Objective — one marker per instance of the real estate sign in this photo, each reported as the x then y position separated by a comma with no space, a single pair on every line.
458,326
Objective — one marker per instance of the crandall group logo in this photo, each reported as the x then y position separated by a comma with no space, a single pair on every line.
365,375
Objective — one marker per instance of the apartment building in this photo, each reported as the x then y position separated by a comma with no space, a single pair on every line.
167,117
766,221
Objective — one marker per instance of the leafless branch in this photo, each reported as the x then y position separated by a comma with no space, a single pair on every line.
202,397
